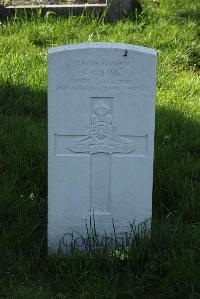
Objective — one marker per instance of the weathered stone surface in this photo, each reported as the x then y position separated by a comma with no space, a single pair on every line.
101,107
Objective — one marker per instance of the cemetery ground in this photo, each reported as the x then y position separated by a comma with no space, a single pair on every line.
167,265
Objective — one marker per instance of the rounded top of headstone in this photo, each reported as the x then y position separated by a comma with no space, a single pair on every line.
103,45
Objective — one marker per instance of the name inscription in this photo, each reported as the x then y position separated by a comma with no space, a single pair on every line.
93,75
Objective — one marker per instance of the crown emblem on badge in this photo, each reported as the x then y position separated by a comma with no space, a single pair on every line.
102,137
101,114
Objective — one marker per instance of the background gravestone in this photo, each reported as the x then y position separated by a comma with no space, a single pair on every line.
117,9
101,108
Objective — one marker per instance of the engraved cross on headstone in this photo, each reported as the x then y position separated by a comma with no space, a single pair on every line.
101,144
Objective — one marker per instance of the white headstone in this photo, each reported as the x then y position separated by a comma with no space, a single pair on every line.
101,115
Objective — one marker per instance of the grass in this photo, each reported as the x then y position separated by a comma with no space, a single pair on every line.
168,264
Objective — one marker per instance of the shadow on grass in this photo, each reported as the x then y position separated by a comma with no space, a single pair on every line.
164,264
190,14
177,165
23,167
22,101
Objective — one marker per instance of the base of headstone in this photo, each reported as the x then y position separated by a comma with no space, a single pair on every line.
90,238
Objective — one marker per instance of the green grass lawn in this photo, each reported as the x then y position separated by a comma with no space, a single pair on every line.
168,264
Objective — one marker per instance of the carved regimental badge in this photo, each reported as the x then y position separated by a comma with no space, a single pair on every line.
102,137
